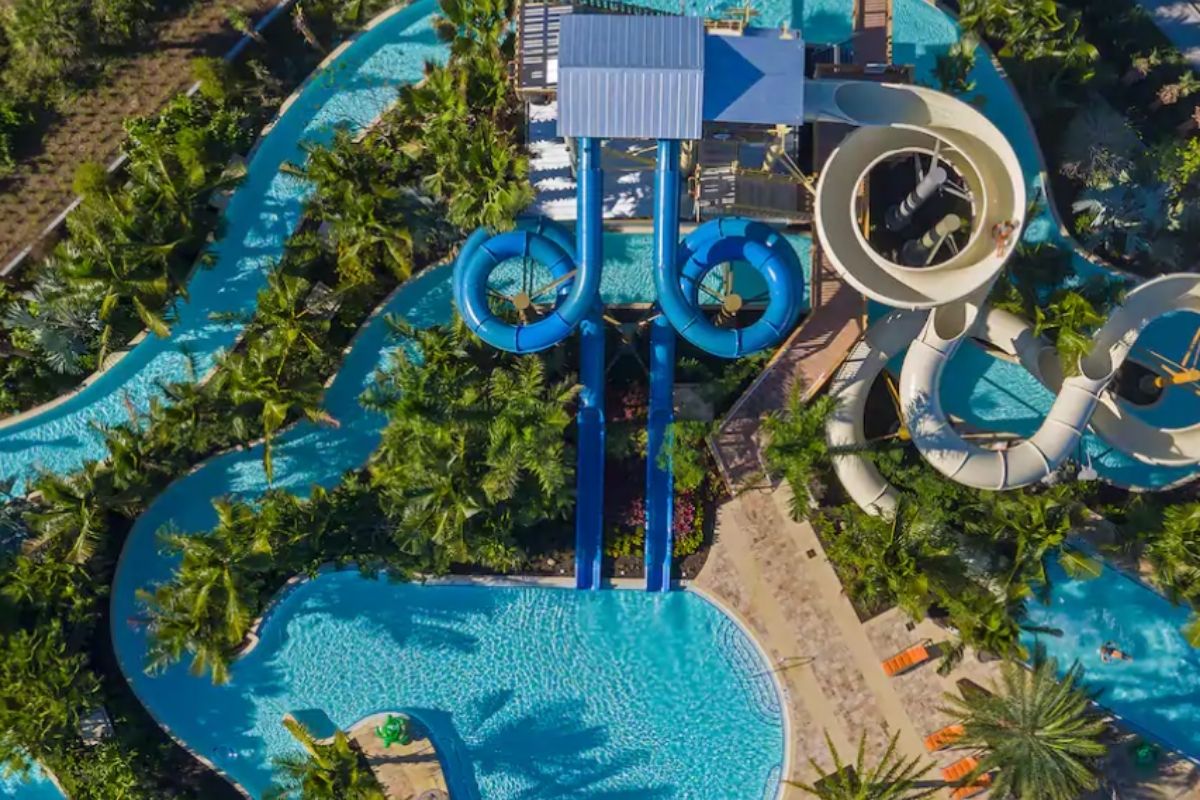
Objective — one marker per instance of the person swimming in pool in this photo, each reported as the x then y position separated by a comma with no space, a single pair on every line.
1109,652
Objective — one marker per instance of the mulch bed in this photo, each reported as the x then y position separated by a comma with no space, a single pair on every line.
89,127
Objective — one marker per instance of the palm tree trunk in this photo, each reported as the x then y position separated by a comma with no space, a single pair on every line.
301,24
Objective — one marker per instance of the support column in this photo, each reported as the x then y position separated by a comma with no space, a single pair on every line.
899,216
916,252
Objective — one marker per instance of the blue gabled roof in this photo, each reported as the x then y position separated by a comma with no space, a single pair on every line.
754,79
631,77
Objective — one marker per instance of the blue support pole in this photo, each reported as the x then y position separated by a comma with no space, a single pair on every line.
589,473
660,494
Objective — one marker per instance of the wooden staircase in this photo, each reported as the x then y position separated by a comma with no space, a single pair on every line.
872,31
805,362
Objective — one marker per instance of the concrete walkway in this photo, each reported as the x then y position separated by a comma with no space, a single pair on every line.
1180,21
773,573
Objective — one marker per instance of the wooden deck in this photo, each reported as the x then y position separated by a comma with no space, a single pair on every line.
873,31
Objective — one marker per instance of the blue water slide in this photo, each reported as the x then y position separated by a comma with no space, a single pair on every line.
484,252
660,490
732,240
577,303
589,473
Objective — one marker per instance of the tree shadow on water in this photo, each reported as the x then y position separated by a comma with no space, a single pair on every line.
555,753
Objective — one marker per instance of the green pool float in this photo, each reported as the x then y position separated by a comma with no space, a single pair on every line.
394,730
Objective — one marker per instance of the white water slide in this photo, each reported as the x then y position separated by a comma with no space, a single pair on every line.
943,304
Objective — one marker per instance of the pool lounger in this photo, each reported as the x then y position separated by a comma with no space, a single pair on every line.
909,659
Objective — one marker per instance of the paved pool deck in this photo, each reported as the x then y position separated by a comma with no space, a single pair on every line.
774,574
1180,21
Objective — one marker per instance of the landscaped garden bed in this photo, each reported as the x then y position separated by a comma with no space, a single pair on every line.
1115,109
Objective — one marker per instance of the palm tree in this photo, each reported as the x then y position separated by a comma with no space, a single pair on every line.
899,559
892,777
1033,525
1039,733
474,26
797,448
300,23
332,771
242,23
474,449
253,379
208,606
63,325
1071,319
953,70
1173,550
74,512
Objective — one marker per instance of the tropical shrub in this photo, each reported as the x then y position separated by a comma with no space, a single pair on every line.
891,777
953,68
1039,734
475,448
326,771
797,448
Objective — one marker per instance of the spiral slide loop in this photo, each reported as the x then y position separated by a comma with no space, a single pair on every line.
725,240
544,242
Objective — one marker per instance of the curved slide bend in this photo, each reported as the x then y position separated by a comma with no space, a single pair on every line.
353,89
721,241
1081,399
896,120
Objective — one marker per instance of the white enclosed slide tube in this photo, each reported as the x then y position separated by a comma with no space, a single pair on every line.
1081,399
900,121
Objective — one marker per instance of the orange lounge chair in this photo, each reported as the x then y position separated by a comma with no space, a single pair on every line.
981,784
908,659
944,738
961,769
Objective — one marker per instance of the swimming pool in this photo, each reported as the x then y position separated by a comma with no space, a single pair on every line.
528,692
680,658
36,786
1159,690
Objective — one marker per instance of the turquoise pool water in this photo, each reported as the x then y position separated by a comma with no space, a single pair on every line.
538,693
528,692
1159,690
35,786
262,213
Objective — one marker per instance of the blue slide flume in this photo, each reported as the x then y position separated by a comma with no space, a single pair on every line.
660,494
660,489
589,476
